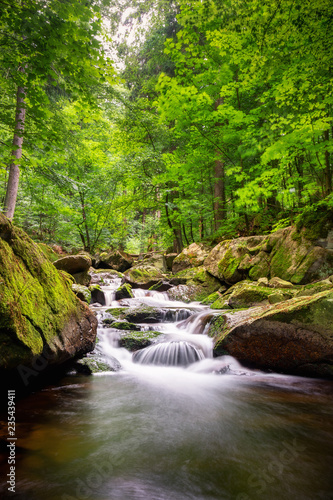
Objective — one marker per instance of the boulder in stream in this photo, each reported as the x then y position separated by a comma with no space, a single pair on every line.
145,276
193,284
116,259
295,336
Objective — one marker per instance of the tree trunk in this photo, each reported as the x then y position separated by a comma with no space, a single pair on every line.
177,242
87,246
219,183
328,171
219,193
14,170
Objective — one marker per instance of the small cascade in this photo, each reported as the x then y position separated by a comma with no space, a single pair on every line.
110,295
153,294
175,315
169,354
197,323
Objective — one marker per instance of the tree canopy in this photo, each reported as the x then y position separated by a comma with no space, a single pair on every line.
214,121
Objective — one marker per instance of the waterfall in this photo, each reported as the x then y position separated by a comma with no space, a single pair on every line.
169,354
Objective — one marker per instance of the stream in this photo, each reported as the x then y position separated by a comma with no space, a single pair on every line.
189,426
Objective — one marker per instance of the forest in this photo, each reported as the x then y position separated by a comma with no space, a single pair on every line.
147,125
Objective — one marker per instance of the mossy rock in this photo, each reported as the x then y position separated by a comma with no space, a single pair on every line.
124,292
49,253
115,259
38,309
314,288
192,256
199,284
97,364
296,259
137,340
122,325
294,336
285,254
143,276
139,314
82,292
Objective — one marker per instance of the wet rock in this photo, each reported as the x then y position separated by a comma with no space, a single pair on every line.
143,276
122,325
138,340
82,292
97,364
124,292
295,336
147,314
199,284
103,276
97,295
192,256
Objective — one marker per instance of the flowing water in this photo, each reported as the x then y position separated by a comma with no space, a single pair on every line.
206,428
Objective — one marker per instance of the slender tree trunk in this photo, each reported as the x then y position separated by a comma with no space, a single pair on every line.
219,183
14,170
177,242
84,216
219,193
328,171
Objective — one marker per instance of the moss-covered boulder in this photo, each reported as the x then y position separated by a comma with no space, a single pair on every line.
199,284
156,260
192,256
82,292
296,259
116,259
124,292
49,253
40,316
143,276
137,340
313,288
122,325
95,363
147,314
285,254
295,336
231,260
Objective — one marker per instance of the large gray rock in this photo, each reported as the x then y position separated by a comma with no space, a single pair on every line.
73,264
117,260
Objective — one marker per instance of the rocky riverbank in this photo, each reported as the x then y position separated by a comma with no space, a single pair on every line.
271,296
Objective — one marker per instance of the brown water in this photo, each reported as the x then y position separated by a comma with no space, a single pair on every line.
170,433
